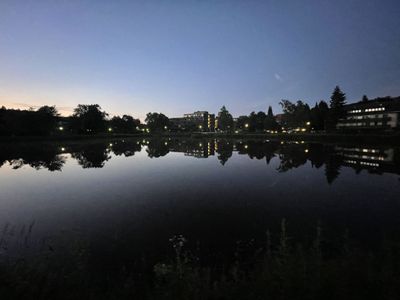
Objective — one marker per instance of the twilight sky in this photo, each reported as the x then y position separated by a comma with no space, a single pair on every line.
179,56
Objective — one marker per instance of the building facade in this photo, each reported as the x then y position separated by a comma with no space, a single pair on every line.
376,114
196,121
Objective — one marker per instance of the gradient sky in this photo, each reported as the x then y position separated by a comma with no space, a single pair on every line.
179,56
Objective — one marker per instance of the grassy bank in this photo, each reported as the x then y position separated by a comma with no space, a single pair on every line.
279,267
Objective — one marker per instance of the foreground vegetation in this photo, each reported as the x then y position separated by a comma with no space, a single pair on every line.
279,267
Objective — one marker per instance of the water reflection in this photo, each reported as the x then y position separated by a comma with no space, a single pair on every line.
291,154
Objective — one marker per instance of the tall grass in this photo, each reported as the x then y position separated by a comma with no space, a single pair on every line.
279,267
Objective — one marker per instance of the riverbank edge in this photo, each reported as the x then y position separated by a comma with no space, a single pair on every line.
391,138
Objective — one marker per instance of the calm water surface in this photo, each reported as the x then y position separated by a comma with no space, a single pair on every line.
130,196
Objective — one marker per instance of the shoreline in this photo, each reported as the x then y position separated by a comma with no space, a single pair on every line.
392,138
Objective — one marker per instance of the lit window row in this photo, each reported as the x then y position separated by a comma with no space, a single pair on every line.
350,162
375,109
369,164
355,111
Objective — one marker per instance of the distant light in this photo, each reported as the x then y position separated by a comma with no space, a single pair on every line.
200,145
166,144
246,125
62,149
200,127
165,127
236,131
110,129
308,123
110,144
303,129
61,128
245,146
306,150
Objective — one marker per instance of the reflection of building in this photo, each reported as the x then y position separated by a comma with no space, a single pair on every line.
199,121
377,158
199,149
380,113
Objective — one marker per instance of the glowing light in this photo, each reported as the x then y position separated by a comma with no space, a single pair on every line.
236,131
200,127
308,123
303,129
61,128
246,125
165,127
306,150
245,146
62,149
200,144
110,144
110,129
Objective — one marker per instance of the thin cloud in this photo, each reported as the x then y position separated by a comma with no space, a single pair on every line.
278,77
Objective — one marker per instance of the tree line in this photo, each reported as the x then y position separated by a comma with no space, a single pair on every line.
86,119
91,119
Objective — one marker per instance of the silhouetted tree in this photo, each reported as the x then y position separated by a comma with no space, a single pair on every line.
242,121
89,119
295,114
225,120
270,121
319,115
126,124
157,122
336,111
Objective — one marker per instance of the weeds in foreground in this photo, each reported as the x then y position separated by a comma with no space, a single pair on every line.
277,268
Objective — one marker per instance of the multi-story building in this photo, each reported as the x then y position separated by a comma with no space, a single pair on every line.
199,121
379,113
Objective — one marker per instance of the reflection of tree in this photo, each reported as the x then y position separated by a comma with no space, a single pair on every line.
318,155
258,149
332,168
157,148
126,147
92,156
37,156
224,150
291,156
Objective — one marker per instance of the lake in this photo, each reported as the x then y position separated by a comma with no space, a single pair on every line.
127,197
